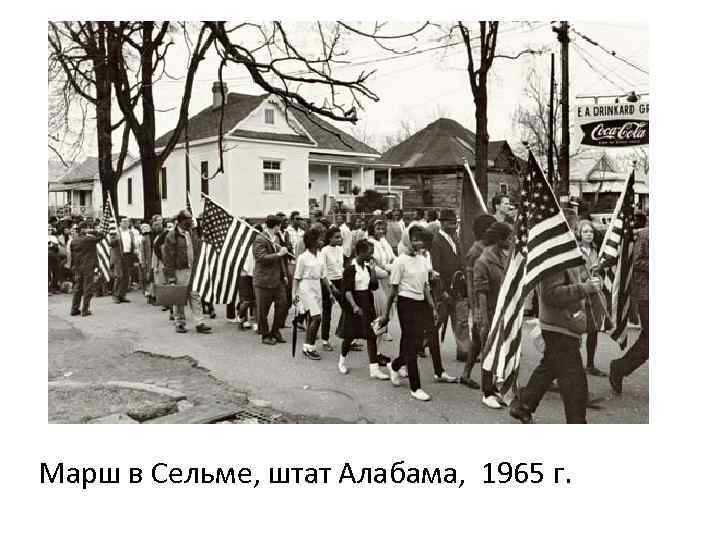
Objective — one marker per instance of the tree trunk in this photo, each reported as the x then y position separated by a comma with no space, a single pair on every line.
103,111
481,137
150,181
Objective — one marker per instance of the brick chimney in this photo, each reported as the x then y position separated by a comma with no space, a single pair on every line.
218,94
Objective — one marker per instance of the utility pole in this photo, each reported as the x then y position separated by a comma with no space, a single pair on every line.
551,123
564,158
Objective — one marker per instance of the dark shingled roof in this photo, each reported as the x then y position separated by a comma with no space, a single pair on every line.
442,143
205,124
89,170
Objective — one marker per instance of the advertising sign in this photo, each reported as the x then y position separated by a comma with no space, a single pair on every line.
614,124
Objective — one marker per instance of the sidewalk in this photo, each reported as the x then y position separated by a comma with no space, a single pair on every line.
300,386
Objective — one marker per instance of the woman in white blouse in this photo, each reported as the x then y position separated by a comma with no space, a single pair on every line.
384,258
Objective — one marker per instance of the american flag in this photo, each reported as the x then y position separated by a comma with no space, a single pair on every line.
616,257
544,245
108,227
225,245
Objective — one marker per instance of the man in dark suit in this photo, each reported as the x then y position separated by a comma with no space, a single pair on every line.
270,281
84,261
448,262
123,254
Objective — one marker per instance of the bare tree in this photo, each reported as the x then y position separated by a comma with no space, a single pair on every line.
146,43
79,62
479,64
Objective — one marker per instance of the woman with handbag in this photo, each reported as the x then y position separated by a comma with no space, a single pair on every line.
358,308
586,241
384,257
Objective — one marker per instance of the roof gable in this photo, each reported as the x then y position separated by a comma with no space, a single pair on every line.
441,143
239,106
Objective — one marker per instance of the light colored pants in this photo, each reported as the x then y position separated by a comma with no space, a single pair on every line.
183,278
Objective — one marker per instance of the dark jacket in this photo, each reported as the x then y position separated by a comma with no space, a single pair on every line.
83,253
445,261
269,270
175,252
488,275
146,250
641,265
562,300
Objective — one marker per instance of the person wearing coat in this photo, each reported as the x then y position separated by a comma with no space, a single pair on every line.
123,254
146,260
586,241
84,261
488,274
448,262
638,354
270,281
179,253
563,299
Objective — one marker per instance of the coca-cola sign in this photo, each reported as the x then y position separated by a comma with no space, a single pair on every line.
614,124
616,133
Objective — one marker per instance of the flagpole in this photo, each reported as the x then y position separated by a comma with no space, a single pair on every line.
618,206
474,185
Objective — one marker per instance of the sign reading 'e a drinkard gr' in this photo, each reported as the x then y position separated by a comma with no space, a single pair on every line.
614,124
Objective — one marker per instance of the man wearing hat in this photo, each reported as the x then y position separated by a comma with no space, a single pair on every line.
180,249
83,259
448,262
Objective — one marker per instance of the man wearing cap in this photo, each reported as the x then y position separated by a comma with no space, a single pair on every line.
448,262
179,251
83,263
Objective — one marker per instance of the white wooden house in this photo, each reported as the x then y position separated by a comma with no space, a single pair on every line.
273,161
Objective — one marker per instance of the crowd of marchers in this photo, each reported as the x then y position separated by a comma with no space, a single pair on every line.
376,268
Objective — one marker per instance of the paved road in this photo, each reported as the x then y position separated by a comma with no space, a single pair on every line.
305,387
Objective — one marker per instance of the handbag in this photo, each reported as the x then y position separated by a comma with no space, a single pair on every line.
171,295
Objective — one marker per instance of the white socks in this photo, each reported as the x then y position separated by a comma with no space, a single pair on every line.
342,368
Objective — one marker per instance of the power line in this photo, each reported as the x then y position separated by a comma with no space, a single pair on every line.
609,51
608,71
584,58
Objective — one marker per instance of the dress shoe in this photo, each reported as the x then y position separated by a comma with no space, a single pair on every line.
469,383
312,355
595,372
269,340
278,337
519,411
124,300
203,328
180,329
86,313
616,381
75,313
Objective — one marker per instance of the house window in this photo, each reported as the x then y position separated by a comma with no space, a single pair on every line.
271,175
163,184
83,198
269,116
129,199
503,189
345,181
204,188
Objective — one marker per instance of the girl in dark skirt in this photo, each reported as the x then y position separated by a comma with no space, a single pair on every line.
358,308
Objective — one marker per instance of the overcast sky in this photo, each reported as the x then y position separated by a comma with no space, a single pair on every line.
417,88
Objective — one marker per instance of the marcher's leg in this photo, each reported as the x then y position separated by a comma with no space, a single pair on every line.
542,376
590,348
312,330
281,309
77,294
412,328
459,319
326,315
264,298
571,379
88,290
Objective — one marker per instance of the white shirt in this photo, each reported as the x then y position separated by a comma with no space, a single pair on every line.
295,236
332,259
346,239
126,239
410,274
362,277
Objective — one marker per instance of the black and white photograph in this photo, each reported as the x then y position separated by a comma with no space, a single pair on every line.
343,222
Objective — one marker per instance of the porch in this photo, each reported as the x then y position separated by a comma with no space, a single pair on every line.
340,178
